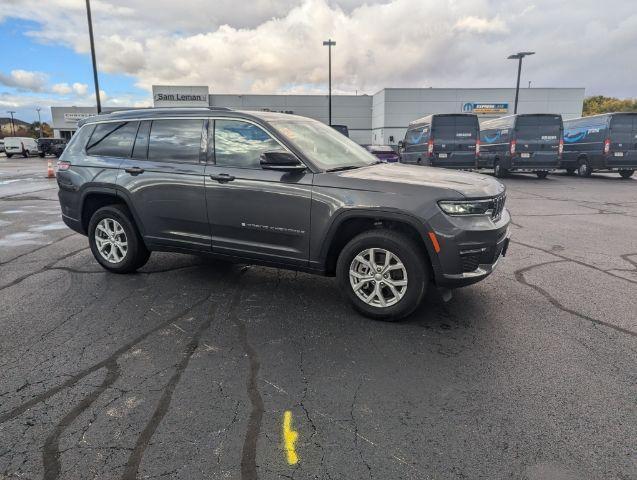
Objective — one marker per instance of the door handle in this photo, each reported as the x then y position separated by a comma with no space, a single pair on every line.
134,170
222,178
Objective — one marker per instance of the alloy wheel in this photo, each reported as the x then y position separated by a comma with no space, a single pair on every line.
378,277
111,241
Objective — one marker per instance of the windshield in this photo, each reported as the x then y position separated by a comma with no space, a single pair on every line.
323,145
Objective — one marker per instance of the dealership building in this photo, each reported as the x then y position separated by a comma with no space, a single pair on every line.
381,118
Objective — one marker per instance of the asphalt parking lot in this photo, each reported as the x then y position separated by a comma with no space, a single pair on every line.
187,369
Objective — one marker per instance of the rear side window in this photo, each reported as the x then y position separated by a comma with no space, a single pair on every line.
176,140
112,139
240,144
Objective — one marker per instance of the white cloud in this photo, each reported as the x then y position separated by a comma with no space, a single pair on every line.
24,80
61,88
481,25
265,46
80,89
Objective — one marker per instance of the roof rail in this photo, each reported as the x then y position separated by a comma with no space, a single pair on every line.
225,109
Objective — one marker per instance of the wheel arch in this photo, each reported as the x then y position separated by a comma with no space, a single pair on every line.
351,223
94,198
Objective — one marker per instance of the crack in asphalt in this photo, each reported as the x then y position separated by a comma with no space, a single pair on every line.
20,409
579,262
37,249
134,460
249,450
51,449
519,276
45,268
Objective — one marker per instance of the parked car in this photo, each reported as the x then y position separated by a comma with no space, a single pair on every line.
24,146
279,190
385,153
48,146
442,140
606,142
521,143
342,129
58,148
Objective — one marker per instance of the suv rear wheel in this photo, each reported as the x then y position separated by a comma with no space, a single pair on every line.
115,241
383,274
626,173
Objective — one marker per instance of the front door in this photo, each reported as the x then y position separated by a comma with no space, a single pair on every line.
164,181
255,213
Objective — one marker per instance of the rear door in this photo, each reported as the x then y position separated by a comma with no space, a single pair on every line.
415,142
164,182
455,139
537,140
623,141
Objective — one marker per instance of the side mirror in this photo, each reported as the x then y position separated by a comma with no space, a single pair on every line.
281,161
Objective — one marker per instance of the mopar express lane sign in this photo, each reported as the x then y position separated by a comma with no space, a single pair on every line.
179,96
485,107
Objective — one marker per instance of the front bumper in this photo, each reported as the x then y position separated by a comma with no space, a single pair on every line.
470,247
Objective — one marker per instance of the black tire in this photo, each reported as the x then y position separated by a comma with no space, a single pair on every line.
626,173
570,171
411,257
136,255
498,170
25,153
542,174
9,155
41,154
584,170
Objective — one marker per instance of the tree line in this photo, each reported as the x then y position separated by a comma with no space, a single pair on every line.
601,104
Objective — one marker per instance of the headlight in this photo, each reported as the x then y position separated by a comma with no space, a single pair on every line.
475,207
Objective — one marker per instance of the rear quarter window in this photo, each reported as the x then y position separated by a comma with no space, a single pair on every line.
112,139
78,141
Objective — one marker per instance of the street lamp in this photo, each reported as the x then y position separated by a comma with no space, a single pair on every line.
39,120
329,44
518,56
11,112
90,34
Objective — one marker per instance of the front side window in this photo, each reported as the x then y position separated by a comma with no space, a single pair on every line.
240,144
112,139
175,140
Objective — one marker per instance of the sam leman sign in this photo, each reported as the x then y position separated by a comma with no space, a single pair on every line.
180,96
485,107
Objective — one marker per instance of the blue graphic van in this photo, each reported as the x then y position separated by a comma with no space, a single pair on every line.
442,140
606,142
521,143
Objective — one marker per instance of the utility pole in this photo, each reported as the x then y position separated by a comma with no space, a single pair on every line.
39,121
11,112
329,43
90,34
518,56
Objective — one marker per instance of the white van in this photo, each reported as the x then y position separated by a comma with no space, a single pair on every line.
24,146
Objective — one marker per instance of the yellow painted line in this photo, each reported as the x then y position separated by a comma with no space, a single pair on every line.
289,439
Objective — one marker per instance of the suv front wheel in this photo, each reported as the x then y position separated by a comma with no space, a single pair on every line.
383,274
115,241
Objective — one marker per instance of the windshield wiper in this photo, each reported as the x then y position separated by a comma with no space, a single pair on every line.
346,167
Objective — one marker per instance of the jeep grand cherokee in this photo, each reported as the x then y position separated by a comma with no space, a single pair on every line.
279,190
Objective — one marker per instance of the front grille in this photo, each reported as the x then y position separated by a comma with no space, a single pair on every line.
498,206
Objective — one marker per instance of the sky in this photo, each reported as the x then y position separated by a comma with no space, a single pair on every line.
275,46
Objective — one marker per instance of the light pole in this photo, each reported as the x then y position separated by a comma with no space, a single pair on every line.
518,56
39,121
90,34
11,112
329,43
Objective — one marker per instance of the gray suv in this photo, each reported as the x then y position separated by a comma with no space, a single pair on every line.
279,190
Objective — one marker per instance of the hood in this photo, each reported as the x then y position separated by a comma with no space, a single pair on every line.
391,176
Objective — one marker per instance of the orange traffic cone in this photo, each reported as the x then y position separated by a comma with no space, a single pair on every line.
50,173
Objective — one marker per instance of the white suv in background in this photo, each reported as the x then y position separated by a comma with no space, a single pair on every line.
24,146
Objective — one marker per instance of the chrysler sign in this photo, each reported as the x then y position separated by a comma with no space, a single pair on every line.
485,108
179,96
